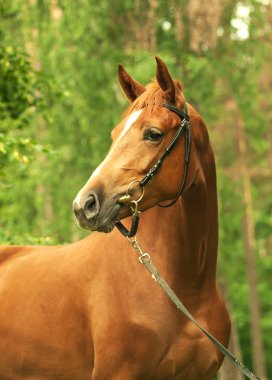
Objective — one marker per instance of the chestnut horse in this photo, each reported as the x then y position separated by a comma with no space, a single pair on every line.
89,310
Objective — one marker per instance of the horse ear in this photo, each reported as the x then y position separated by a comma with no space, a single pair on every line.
131,87
165,81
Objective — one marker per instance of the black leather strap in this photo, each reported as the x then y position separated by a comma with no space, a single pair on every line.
155,168
133,230
184,126
183,115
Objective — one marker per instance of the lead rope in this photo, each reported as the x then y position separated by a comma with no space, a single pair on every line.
145,259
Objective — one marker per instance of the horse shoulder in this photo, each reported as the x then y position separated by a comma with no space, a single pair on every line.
11,252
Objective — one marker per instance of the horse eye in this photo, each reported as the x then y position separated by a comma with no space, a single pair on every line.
153,135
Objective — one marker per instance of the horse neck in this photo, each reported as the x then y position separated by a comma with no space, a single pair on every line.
183,238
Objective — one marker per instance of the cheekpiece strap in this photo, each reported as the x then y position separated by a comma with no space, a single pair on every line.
183,126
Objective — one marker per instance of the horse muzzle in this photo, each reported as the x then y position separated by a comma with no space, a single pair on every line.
94,215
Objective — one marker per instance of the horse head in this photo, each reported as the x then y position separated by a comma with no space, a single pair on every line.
146,129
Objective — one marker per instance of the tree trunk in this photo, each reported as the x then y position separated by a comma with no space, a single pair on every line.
265,82
179,25
142,24
204,20
250,246
43,197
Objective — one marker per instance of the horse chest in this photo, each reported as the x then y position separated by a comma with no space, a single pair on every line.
144,352
143,336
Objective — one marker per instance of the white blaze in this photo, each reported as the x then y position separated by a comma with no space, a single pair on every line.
130,121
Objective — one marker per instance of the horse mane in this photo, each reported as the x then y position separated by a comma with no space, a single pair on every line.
152,98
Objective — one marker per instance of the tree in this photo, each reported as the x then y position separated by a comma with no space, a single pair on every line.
68,99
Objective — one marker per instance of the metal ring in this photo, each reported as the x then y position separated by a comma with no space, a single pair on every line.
129,186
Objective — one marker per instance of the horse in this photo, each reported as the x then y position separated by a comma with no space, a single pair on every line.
89,310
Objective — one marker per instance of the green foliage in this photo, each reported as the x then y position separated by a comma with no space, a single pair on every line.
17,100
20,97
16,85
59,102
25,95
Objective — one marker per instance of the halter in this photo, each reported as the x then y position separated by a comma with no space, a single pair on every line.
183,127
145,258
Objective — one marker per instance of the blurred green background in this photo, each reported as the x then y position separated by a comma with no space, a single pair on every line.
59,100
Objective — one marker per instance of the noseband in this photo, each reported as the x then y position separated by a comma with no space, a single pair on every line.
183,127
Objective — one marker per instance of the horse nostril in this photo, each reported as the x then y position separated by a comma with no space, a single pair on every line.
91,206
90,201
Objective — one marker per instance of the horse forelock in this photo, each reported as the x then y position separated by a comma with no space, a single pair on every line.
152,99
